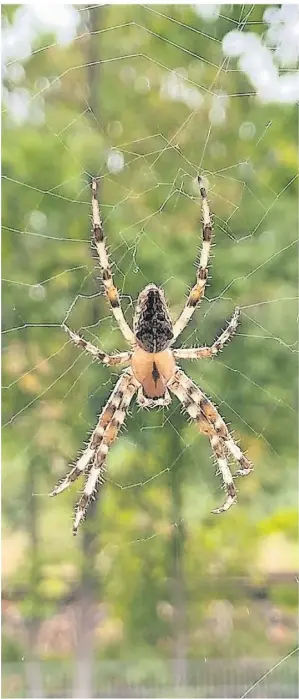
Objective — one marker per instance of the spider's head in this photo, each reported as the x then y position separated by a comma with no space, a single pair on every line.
152,323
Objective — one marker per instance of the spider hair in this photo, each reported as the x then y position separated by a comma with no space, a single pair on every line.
153,373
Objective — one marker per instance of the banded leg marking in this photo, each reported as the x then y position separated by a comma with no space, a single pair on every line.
96,474
210,423
231,493
194,410
110,289
198,289
216,347
109,360
105,418
212,414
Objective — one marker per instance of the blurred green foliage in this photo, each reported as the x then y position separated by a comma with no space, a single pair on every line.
161,559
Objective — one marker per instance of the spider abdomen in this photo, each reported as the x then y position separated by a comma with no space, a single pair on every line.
153,370
152,323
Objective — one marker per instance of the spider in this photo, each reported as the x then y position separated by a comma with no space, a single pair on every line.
153,373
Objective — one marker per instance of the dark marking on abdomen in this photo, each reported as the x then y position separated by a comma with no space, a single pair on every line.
155,373
154,329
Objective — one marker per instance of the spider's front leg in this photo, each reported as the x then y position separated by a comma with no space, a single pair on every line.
110,289
216,347
109,360
198,290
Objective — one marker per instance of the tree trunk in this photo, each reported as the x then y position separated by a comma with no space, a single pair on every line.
88,590
177,571
85,616
33,669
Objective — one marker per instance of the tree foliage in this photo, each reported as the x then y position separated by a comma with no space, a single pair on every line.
162,562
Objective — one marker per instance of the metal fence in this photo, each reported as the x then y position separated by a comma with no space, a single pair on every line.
152,678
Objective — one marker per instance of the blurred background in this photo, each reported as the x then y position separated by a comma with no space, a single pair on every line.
155,596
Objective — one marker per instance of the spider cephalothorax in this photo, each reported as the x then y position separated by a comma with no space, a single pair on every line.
153,373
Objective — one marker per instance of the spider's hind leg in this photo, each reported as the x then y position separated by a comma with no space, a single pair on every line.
209,422
214,418
101,444
82,466
84,462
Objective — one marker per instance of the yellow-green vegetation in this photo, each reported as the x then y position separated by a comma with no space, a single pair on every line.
154,586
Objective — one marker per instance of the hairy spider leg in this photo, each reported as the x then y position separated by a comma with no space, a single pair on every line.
200,409
198,290
104,420
216,347
108,359
111,291
101,446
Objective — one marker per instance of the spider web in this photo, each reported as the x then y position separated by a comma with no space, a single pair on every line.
146,218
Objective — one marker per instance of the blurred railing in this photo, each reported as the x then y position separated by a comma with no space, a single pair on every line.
152,678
